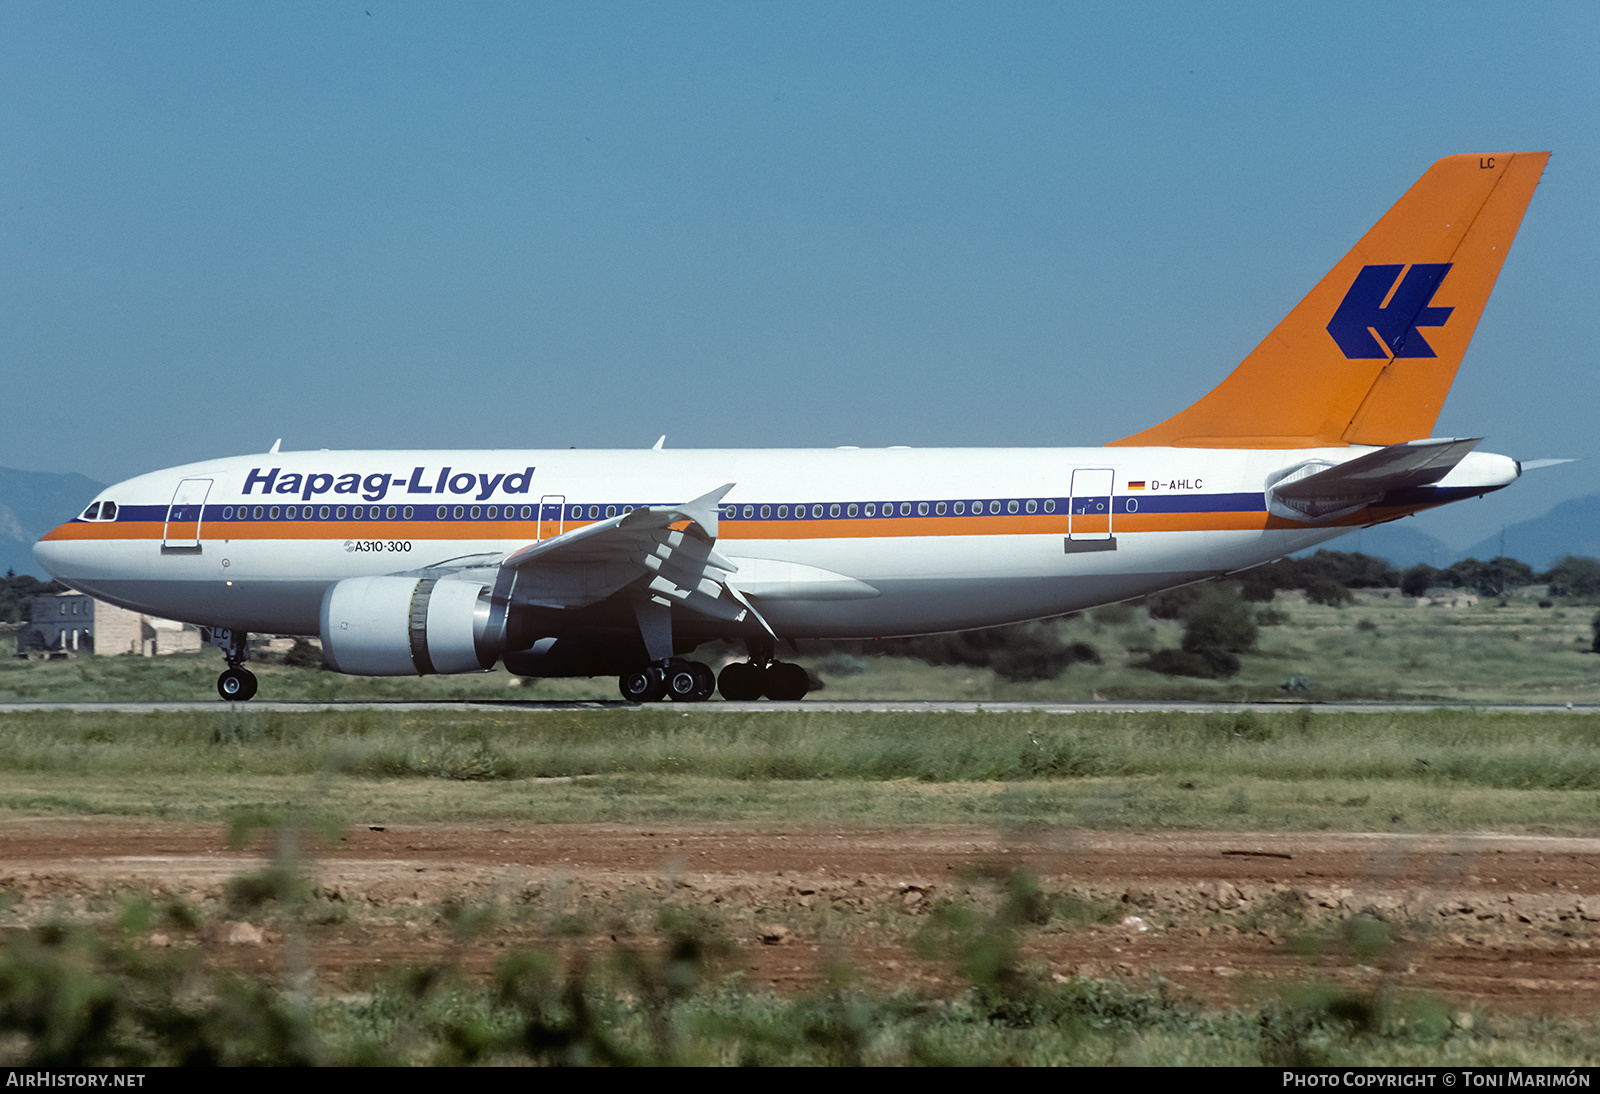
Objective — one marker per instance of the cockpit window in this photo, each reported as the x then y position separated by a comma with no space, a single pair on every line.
93,512
101,510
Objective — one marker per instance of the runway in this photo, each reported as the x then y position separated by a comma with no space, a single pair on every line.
868,706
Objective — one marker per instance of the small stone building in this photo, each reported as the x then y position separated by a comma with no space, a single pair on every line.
71,622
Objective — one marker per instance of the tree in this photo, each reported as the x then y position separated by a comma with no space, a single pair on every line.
1023,651
1325,590
1494,577
1420,578
17,592
1574,576
1218,619
1350,569
1217,625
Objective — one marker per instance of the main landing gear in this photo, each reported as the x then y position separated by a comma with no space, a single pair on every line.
680,681
745,681
237,684
692,682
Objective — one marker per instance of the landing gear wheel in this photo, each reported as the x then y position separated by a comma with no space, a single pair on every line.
646,685
705,681
237,685
686,681
786,681
741,682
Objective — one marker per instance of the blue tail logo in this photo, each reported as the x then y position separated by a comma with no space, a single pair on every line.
1363,311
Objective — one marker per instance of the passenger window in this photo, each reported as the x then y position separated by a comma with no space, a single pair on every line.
323,512
833,510
493,513
293,511
1032,506
227,512
408,512
816,512
871,510
527,512
853,510
442,513
477,511
459,513
783,512
994,507
1011,506
939,509
273,512
766,511
960,508
1049,505
340,513
905,509
749,511
611,510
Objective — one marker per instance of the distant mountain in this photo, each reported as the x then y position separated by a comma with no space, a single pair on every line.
1571,528
1400,542
32,503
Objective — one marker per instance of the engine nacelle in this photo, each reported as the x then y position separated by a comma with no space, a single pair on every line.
407,626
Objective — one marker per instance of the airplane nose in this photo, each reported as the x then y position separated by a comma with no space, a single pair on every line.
52,555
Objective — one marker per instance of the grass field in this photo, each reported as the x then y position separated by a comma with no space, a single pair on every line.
1297,770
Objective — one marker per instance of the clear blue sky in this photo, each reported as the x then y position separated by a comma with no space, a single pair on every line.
379,224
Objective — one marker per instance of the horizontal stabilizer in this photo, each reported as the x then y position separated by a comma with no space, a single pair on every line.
1317,490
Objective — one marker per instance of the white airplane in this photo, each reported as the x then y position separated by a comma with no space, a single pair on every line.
569,563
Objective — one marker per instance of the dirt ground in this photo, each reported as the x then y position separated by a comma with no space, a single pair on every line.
1505,923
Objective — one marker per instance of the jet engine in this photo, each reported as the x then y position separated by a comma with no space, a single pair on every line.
407,626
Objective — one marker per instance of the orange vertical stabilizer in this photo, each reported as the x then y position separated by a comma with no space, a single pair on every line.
1368,356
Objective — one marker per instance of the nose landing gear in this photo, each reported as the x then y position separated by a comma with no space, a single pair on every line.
237,684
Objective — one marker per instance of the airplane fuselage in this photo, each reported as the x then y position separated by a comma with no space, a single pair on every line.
831,543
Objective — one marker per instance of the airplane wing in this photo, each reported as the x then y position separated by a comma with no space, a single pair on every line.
670,548
1317,490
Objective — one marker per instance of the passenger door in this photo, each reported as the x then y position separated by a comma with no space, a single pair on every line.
552,516
184,516
1089,510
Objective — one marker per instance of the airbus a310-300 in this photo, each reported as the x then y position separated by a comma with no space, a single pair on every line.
574,563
